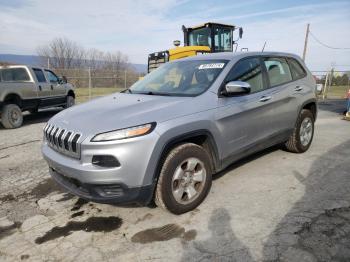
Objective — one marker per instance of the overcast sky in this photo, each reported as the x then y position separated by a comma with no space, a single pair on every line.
141,27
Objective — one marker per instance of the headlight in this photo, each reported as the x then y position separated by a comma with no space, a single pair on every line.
125,133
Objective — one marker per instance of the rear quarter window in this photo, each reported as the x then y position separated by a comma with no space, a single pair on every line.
296,68
14,75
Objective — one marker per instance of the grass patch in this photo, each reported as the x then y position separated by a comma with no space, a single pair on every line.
337,91
82,94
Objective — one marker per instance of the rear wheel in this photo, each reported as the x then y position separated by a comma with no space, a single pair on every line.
303,133
11,116
184,180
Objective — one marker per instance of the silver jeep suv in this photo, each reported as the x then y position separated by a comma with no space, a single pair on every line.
165,136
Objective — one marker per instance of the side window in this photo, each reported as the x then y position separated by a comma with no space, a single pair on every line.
14,75
222,39
39,75
248,70
278,71
52,77
297,70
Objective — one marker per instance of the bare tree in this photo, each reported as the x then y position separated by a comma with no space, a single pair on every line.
62,53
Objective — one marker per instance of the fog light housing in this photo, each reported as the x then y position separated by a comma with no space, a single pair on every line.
105,161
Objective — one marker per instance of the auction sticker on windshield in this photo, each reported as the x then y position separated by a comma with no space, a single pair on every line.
211,66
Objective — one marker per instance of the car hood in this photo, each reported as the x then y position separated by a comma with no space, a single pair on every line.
122,110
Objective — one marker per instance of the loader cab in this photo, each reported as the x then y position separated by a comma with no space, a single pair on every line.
218,37
202,39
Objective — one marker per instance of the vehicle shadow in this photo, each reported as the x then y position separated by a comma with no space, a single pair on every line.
317,227
39,117
222,245
246,160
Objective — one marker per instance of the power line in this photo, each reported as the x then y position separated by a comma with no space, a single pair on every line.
325,45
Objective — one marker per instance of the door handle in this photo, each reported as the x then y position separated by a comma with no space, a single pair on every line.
51,87
265,98
298,88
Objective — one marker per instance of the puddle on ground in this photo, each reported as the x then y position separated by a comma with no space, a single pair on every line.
24,257
44,188
7,198
77,214
41,190
65,197
92,224
80,202
8,230
163,233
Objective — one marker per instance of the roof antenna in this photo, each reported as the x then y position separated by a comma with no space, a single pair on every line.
263,47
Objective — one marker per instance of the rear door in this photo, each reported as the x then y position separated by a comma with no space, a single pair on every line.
57,88
282,91
245,120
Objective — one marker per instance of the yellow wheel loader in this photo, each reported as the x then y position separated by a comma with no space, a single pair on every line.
205,38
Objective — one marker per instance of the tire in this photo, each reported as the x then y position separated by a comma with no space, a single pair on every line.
11,116
70,101
186,168
299,143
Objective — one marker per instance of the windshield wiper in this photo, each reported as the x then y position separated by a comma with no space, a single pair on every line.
126,90
151,93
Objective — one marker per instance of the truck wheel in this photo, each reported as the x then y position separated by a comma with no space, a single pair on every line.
185,179
11,116
303,133
70,102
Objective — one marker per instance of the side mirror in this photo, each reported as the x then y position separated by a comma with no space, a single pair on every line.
240,32
64,80
236,88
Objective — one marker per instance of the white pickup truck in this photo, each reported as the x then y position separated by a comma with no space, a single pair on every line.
25,88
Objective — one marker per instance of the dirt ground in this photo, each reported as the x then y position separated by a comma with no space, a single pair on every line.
272,206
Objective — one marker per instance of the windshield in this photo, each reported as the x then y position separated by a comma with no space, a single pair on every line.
180,78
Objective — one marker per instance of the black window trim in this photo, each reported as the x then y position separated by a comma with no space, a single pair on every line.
37,68
290,68
266,82
48,70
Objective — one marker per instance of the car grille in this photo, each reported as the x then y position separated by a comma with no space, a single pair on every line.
62,140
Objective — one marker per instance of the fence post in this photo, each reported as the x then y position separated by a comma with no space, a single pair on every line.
89,71
125,79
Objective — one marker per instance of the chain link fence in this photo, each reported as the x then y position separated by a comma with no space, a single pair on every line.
91,83
99,82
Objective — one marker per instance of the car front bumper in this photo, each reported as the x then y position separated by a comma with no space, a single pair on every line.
127,183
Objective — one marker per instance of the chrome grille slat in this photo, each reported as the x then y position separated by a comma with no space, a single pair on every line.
62,140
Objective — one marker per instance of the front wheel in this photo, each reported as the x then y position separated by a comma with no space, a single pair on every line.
303,133
185,179
70,102
11,116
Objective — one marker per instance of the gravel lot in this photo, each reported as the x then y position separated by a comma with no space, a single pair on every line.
273,206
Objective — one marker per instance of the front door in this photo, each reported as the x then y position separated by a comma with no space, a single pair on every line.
58,89
244,120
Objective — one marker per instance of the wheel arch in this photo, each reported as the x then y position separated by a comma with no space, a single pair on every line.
71,93
201,137
12,98
311,105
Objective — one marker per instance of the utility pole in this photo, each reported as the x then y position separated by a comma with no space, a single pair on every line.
306,40
89,72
